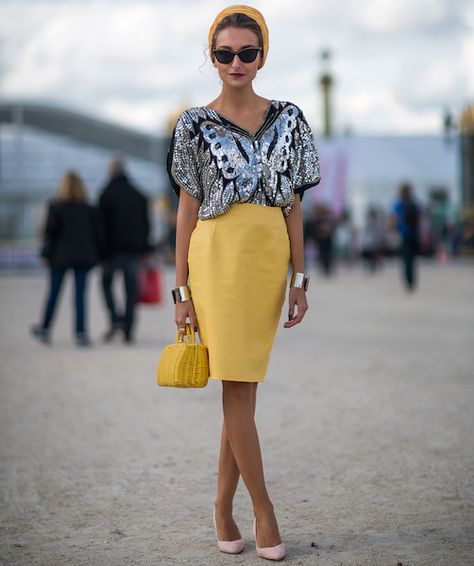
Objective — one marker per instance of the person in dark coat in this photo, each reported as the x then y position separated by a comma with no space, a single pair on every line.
125,220
406,213
323,232
71,241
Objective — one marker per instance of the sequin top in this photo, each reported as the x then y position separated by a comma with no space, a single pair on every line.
216,161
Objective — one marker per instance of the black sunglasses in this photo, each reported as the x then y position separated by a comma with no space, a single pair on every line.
246,55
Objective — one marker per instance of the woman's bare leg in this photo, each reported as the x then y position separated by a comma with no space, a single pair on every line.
243,439
228,478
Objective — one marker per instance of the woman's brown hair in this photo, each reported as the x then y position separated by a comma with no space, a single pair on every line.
71,188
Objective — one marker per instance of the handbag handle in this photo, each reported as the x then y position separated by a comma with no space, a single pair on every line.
190,336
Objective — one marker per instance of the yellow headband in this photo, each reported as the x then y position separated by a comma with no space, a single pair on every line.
251,13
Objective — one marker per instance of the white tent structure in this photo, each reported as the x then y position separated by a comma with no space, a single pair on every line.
359,171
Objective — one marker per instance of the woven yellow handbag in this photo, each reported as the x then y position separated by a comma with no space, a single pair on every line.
184,363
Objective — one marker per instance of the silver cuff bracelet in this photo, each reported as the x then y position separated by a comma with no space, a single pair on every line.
181,294
300,281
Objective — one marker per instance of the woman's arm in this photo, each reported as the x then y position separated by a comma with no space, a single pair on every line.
52,228
51,232
297,296
186,221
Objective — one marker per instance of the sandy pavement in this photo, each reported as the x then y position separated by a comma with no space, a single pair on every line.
366,421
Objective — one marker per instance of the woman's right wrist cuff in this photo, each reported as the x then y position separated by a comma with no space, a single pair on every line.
181,294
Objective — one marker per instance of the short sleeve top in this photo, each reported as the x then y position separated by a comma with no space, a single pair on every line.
220,163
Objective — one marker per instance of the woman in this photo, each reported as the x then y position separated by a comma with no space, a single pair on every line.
71,241
240,166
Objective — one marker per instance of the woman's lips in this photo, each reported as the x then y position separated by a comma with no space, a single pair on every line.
236,74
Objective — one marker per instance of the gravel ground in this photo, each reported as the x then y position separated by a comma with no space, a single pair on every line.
366,423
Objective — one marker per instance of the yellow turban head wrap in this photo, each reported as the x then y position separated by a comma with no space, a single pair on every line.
248,11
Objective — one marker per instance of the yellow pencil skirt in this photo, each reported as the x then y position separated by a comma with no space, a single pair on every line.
238,268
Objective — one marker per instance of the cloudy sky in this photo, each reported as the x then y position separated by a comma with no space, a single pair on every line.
396,64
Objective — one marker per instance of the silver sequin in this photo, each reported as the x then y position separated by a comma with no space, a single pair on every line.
220,163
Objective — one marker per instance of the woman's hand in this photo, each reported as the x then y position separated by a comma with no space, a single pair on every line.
297,298
183,311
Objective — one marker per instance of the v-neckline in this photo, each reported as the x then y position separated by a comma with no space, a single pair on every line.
248,132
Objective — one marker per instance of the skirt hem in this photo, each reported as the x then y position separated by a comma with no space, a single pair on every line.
238,380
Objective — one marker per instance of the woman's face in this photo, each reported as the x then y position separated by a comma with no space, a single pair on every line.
236,73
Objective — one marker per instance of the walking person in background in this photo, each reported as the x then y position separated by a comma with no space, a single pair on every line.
406,217
125,219
70,242
240,166
373,239
323,233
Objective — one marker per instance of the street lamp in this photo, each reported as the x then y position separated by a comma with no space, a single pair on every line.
326,82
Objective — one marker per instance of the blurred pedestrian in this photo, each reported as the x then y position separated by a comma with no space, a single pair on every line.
70,242
406,213
345,239
323,231
125,220
373,239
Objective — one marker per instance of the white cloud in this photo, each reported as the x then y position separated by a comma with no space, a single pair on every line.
379,111
382,16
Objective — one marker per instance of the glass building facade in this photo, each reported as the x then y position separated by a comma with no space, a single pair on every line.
32,163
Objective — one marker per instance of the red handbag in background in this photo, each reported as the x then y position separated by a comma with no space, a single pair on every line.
150,286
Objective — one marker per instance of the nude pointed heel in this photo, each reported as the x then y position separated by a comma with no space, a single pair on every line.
276,552
228,546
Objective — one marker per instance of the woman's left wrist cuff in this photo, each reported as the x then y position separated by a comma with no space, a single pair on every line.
299,280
